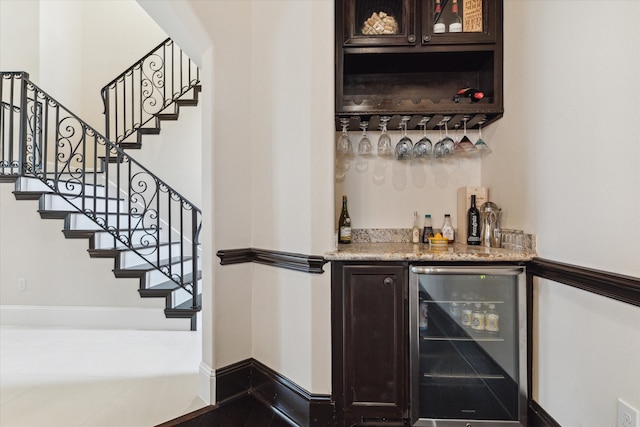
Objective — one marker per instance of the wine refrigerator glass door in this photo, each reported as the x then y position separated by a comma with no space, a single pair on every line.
468,346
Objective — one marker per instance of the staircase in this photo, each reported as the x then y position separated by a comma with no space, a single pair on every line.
150,91
100,192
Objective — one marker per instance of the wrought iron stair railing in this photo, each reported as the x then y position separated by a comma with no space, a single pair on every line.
145,90
40,138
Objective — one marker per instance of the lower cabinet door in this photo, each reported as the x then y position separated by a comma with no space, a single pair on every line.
370,344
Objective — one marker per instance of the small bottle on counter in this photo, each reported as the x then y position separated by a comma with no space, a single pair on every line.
477,318
492,320
473,223
344,224
447,229
415,231
428,229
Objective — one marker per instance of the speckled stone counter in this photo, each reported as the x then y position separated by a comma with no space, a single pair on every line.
361,251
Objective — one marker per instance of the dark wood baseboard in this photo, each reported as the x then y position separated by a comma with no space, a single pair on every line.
288,260
273,390
251,394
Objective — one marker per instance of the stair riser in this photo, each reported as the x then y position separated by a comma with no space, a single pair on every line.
104,240
67,187
155,277
179,296
54,202
130,258
77,221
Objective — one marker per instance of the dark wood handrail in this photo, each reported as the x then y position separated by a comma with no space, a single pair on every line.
611,285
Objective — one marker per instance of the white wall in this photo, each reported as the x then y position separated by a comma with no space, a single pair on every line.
71,49
12,54
292,102
384,193
272,179
565,164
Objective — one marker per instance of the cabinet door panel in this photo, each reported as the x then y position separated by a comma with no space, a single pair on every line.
362,19
375,339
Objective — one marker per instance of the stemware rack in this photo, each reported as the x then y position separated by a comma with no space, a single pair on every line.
474,121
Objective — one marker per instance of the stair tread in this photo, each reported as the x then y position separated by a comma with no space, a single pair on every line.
164,289
169,283
167,116
149,131
186,306
101,230
57,213
78,196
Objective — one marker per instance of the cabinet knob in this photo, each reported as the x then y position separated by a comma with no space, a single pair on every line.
411,38
388,281
426,38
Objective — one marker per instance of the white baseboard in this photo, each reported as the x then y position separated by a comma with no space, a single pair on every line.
90,317
207,384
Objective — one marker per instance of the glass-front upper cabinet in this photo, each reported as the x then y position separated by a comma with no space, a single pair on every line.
459,21
379,22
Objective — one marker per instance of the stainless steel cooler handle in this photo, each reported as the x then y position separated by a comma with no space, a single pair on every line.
495,271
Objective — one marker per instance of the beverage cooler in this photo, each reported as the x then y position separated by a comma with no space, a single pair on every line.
468,346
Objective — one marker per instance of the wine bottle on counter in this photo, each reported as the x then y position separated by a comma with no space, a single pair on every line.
344,223
447,229
473,94
428,229
473,223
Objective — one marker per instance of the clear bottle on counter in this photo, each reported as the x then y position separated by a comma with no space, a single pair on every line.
477,318
415,231
492,320
428,229
447,229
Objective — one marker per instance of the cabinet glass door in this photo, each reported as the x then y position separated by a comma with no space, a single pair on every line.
379,22
459,21
468,345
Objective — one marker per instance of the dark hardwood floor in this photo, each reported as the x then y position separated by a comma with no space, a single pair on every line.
246,411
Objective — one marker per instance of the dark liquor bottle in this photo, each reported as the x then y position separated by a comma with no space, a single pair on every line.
473,223
428,229
344,223
468,92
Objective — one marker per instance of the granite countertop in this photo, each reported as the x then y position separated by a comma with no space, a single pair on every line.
367,251
392,245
